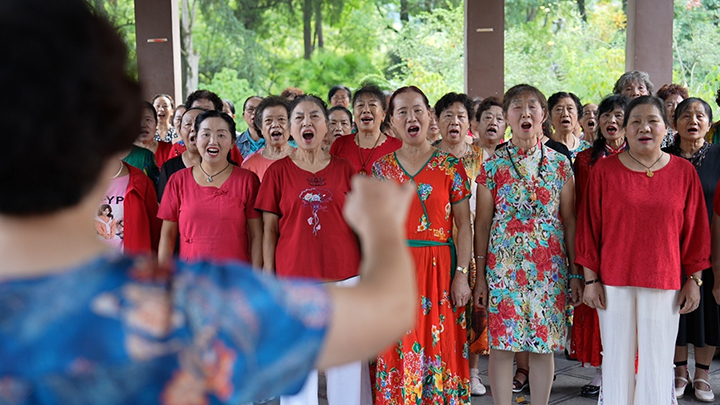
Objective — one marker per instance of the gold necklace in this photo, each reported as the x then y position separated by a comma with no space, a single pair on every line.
649,172
210,177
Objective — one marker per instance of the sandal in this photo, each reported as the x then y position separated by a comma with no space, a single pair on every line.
680,388
520,386
703,395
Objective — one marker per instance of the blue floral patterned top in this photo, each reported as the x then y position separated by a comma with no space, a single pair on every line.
114,331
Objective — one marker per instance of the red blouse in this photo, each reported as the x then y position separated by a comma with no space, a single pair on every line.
640,231
212,221
346,148
314,240
163,153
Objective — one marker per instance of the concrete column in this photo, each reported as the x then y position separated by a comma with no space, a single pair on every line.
157,32
484,48
649,39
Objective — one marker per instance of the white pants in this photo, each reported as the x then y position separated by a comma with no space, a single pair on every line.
642,320
348,384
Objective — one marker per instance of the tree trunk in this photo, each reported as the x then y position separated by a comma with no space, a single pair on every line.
191,59
404,12
581,9
307,29
531,12
318,24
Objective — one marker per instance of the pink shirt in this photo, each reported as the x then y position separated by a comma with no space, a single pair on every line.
257,163
212,221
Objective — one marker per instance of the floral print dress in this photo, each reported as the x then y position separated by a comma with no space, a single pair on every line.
526,269
429,365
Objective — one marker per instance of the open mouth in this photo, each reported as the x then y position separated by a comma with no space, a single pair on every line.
453,133
611,130
308,135
212,151
276,135
367,120
591,124
693,130
413,130
161,116
526,126
645,139
565,121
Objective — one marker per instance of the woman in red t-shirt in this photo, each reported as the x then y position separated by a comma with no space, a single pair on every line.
642,223
146,139
369,143
212,204
305,234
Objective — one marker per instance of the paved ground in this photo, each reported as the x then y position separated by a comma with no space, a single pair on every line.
566,389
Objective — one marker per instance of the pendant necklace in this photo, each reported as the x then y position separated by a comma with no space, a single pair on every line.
365,162
210,177
533,194
649,172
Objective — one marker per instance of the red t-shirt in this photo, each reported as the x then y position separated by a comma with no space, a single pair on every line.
163,153
640,231
346,148
212,221
177,149
257,163
314,240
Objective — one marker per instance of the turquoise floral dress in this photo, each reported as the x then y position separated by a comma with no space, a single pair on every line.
526,268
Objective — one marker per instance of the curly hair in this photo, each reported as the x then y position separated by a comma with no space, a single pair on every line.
91,105
451,98
634,76
267,102
672,89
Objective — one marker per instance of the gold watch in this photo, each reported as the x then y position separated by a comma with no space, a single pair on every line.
463,270
697,280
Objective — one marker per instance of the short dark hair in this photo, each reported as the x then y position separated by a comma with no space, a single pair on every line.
248,99
555,98
91,106
204,94
292,92
267,102
643,100
520,89
337,88
451,98
216,114
151,108
167,96
307,97
672,89
231,105
608,104
685,104
373,90
343,109
407,89
485,105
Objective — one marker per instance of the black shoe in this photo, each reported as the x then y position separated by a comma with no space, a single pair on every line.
590,391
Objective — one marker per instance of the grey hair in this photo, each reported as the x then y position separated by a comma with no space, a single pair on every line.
633,76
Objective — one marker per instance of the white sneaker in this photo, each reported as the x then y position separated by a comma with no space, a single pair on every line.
476,386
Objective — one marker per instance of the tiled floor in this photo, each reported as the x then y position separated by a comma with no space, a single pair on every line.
566,388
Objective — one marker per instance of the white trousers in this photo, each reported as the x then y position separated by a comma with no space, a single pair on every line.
642,321
348,384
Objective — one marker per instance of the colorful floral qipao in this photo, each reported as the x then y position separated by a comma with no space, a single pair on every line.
112,331
430,364
526,260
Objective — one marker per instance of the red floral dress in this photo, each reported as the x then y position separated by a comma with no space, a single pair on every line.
526,269
430,364
585,344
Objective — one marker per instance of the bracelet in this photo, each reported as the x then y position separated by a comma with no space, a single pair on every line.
577,276
597,280
479,257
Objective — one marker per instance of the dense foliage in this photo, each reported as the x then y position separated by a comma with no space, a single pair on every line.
262,46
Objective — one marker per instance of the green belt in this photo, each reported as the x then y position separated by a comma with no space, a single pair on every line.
413,243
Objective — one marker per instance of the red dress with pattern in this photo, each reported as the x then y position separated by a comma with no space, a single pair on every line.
585,343
429,365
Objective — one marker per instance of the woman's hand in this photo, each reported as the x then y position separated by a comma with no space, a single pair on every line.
594,296
480,294
460,290
689,297
576,290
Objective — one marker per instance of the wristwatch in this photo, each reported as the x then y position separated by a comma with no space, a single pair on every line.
463,270
697,280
